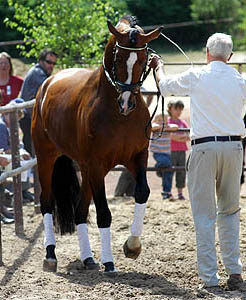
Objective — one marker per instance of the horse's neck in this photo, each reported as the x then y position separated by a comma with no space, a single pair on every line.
108,65
109,55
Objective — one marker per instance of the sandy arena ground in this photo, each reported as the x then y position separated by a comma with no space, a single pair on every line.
166,268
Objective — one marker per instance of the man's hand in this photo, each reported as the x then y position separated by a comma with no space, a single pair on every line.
155,61
3,161
24,155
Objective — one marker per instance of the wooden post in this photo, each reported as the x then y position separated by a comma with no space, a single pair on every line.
15,144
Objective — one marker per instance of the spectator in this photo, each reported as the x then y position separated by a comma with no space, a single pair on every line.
178,144
5,145
10,85
218,98
5,216
161,148
33,80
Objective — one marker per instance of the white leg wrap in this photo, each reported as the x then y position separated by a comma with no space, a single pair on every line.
84,243
106,252
137,225
49,236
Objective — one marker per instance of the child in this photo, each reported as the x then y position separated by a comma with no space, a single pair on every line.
178,143
161,149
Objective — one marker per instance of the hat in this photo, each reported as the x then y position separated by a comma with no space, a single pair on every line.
20,111
16,101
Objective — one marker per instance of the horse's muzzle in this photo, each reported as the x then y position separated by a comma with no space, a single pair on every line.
126,106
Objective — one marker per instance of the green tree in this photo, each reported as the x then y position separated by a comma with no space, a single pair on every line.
241,28
75,29
218,9
214,9
152,12
156,12
8,34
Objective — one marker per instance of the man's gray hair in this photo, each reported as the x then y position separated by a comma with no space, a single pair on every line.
220,45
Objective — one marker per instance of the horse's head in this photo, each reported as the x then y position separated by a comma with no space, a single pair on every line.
130,58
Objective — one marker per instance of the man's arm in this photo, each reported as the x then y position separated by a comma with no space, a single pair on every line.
4,138
32,83
179,85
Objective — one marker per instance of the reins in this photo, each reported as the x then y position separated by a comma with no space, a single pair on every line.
154,112
159,93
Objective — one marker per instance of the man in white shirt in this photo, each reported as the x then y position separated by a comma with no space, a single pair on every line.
218,97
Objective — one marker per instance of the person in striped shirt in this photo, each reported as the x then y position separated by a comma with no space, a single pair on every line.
161,147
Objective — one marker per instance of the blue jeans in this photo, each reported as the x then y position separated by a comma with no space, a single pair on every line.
164,160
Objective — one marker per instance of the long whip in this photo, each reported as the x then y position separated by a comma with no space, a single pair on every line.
177,46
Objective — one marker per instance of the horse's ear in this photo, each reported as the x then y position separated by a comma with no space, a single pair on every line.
147,37
113,30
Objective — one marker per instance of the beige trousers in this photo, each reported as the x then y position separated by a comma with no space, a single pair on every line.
213,171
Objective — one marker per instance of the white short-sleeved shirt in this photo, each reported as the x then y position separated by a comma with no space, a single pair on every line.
218,98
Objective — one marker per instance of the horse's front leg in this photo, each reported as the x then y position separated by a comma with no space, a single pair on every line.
132,247
103,221
81,214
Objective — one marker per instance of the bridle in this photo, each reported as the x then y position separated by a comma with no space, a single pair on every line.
120,86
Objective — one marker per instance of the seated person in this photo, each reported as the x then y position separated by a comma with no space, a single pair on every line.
5,215
5,146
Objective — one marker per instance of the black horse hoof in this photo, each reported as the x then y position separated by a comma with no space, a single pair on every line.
110,269
49,265
131,253
90,264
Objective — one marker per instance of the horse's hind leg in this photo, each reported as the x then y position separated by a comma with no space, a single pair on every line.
81,214
47,206
46,154
132,247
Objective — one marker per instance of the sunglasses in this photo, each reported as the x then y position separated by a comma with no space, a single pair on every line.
50,62
3,63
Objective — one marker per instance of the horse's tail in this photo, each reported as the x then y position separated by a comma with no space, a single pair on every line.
65,188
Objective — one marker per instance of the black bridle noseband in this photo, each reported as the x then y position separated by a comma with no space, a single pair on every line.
122,87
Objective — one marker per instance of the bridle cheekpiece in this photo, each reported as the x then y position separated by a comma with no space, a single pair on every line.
122,87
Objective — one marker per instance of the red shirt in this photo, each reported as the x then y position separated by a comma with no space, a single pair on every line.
175,145
10,90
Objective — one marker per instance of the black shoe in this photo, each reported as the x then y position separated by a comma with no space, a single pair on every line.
235,282
5,220
27,196
204,291
7,214
8,199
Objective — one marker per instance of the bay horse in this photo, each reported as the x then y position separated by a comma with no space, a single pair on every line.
96,118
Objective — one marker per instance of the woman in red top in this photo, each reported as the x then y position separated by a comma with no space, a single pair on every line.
10,85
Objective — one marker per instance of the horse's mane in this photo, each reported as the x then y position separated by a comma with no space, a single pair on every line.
131,19
129,24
